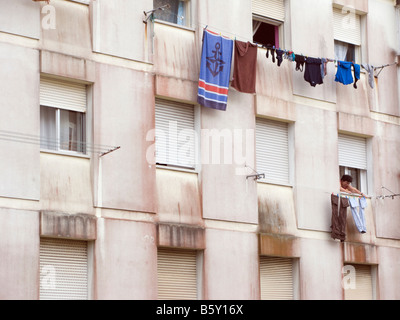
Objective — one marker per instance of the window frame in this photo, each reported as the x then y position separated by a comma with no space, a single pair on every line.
360,23
364,174
279,25
188,15
199,263
58,140
81,103
290,154
196,129
360,178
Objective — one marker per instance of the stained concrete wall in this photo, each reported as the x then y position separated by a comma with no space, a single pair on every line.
126,260
123,115
233,219
19,119
19,247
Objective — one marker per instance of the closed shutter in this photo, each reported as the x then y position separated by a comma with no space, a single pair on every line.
347,26
177,274
363,286
61,94
273,9
276,278
63,270
175,135
352,152
272,150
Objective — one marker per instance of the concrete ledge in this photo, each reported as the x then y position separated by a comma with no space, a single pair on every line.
181,236
279,245
67,226
360,253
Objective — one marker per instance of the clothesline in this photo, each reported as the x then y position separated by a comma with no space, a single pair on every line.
261,46
235,36
346,195
316,65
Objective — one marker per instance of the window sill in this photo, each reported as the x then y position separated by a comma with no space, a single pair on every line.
180,169
174,25
66,153
279,184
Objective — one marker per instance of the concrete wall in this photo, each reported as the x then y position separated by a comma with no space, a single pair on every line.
131,207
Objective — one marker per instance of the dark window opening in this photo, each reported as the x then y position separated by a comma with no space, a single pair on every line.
265,34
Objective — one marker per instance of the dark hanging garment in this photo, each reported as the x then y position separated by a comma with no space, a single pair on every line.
339,217
245,64
300,60
357,73
279,56
312,74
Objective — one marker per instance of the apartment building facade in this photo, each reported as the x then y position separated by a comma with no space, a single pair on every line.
116,184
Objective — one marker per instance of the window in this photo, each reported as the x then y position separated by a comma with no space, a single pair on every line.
62,116
272,151
178,274
178,11
268,19
358,282
176,140
63,269
347,34
277,281
353,160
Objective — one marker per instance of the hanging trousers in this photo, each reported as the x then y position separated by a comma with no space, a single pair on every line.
357,210
339,216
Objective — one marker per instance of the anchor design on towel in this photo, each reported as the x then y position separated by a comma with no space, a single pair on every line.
214,63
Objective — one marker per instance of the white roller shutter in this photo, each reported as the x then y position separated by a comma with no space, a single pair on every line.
177,274
276,278
175,133
273,9
63,269
352,152
347,26
272,150
363,286
61,94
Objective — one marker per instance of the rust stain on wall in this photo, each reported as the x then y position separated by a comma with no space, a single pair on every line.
360,253
278,245
271,219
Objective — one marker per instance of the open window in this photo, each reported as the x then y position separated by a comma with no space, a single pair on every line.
174,11
268,20
353,160
347,34
63,115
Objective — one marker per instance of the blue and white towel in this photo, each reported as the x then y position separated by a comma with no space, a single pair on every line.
215,71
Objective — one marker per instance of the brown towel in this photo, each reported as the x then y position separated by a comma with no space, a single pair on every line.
244,74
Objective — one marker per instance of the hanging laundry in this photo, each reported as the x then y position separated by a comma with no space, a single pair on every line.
343,74
357,210
272,49
245,65
279,56
300,61
357,72
370,69
339,217
215,71
312,74
324,66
